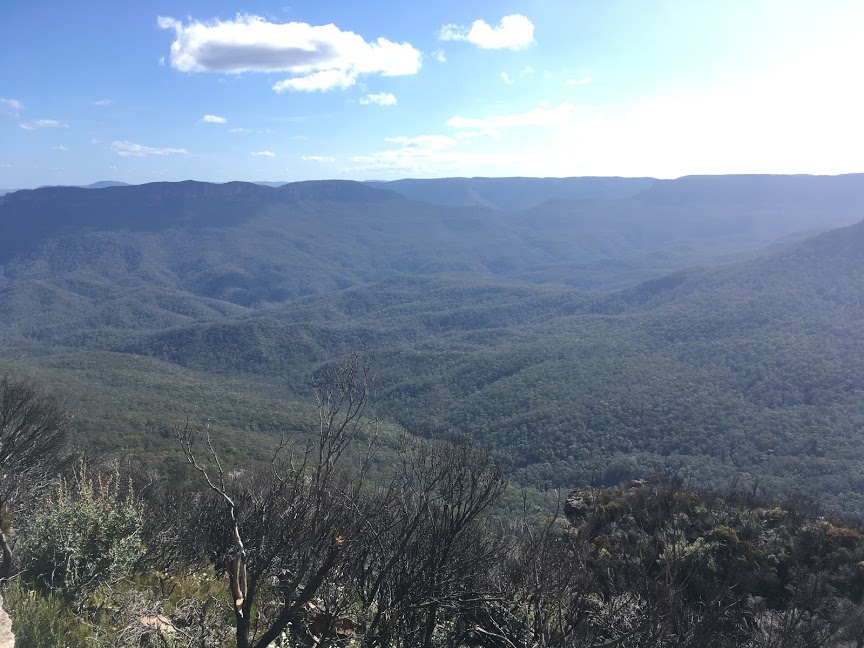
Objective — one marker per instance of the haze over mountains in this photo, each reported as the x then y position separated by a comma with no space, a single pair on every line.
576,325
101,184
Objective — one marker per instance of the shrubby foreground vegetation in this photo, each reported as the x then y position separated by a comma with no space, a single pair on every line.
321,546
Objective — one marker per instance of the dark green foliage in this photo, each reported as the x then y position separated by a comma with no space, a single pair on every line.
655,564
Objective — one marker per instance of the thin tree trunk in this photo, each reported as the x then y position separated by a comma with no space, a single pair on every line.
431,622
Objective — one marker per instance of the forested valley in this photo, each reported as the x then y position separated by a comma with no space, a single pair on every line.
459,412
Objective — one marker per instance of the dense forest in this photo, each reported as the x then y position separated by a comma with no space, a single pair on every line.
685,358
599,328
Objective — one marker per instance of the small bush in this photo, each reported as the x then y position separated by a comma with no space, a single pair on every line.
86,535
44,621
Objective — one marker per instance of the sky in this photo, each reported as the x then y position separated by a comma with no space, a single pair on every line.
221,90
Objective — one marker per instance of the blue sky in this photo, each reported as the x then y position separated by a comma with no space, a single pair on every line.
215,90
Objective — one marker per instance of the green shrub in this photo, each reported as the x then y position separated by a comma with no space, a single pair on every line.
86,535
44,621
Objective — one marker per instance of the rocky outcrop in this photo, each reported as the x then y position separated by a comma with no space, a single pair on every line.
7,639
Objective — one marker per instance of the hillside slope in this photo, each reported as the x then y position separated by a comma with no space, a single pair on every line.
165,254
752,369
513,193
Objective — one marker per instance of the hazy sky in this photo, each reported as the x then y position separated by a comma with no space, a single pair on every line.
217,90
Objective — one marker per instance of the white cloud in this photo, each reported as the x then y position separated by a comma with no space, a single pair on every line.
125,148
801,117
475,134
267,154
542,116
524,73
514,32
42,123
320,57
318,158
317,82
213,119
103,102
577,82
430,142
60,148
12,105
382,99
426,155
95,140
439,56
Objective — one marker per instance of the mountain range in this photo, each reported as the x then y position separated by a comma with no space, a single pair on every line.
591,326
